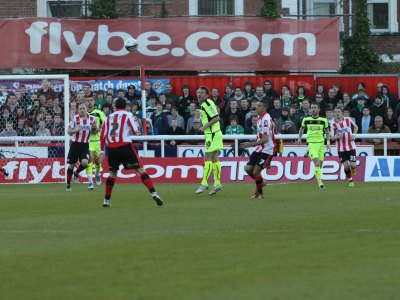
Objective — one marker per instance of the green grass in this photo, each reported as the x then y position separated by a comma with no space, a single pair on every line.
297,243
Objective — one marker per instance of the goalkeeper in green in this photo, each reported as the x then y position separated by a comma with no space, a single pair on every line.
94,143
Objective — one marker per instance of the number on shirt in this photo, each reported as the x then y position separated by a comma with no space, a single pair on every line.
115,126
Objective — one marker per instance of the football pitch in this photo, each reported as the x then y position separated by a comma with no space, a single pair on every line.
296,243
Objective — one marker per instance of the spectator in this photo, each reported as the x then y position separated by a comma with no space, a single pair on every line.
184,100
106,108
233,111
131,95
219,102
285,125
269,92
8,131
253,128
365,122
304,111
99,101
346,113
245,108
21,127
276,111
248,121
175,129
46,90
151,105
170,95
361,92
12,103
294,115
3,94
58,126
159,120
149,89
163,99
229,93
87,90
338,94
191,113
195,130
175,115
331,100
48,119
237,97
110,91
329,116
356,112
28,128
391,120
121,94
379,108
149,127
194,117
253,107
378,127
300,95
43,131
347,100
234,127
387,98
6,116
248,90
286,99
320,91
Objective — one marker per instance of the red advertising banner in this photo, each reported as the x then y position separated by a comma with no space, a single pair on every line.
202,44
190,170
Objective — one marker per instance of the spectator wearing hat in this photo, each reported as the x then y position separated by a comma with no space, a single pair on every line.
195,130
361,91
379,108
284,124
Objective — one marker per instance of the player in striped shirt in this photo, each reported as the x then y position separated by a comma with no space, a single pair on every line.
344,136
115,133
80,128
265,147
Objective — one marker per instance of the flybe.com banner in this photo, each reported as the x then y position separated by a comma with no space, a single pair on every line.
201,44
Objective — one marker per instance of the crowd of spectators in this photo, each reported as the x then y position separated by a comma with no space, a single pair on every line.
41,113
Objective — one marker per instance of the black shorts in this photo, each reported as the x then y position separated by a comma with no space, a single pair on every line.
78,151
125,155
348,156
261,159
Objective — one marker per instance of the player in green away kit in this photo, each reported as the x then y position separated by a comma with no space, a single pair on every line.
94,144
212,131
316,127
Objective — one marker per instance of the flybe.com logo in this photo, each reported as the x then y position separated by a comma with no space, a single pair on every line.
382,169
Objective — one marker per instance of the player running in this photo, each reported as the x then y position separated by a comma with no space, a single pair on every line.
94,143
115,133
213,135
80,128
342,134
265,147
316,126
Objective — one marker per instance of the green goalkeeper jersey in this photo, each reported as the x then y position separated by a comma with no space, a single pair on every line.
315,129
100,118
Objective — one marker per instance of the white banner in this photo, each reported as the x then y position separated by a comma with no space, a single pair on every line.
24,152
382,168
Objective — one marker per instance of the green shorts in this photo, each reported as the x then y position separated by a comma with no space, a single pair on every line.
95,148
316,150
214,141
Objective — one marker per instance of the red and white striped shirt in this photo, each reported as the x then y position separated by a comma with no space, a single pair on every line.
344,129
83,136
117,128
265,125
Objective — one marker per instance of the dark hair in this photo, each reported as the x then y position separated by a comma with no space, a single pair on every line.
120,103
204,89
315,103
233,117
